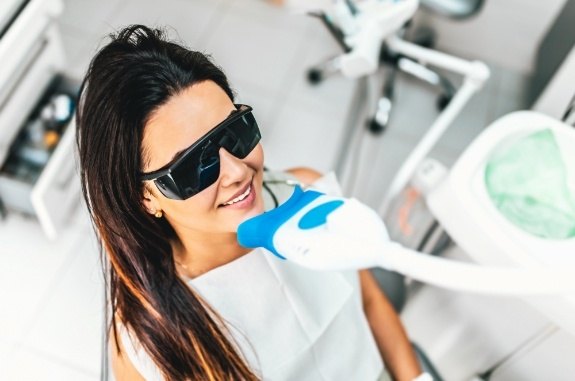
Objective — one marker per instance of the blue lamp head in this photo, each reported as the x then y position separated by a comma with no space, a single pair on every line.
259,231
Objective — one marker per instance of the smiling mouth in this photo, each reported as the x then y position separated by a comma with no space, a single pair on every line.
241,197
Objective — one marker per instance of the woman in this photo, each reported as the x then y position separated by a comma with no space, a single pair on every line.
166,192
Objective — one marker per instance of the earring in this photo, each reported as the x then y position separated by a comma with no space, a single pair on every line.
158,214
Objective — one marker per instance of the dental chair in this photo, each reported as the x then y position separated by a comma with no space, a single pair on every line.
394,62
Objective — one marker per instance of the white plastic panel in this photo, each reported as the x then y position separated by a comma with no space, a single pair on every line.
8,9
57,191
23,34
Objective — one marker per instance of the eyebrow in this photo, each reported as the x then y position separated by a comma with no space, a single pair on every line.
185,149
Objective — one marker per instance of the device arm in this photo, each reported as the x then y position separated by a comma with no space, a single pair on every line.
333,233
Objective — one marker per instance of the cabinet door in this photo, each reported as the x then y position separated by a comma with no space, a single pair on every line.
57,191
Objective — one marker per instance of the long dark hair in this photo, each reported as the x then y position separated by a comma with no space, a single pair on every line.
128,79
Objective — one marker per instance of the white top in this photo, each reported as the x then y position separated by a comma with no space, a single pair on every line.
291,323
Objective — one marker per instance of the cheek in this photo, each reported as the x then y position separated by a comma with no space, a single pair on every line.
179,211
196,216
256,157
189,213
259,168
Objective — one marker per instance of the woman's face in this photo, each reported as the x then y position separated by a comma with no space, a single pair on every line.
174,127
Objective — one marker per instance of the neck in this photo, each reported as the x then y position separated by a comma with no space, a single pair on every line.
198,254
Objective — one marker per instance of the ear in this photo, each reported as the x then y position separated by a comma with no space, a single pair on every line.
150,200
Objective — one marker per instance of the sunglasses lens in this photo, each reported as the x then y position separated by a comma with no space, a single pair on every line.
209,167
241,136
199,169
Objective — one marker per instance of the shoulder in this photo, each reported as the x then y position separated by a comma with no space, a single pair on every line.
304,174
327,184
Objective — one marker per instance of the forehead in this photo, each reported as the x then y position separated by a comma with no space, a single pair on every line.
182,120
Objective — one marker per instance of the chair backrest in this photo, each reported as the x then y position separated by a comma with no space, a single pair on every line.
456,9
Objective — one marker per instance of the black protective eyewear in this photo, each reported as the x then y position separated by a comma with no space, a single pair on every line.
198,167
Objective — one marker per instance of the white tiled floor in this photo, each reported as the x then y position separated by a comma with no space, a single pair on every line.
50,322
65,336
51,315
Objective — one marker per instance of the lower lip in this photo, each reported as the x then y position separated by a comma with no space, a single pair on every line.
246,202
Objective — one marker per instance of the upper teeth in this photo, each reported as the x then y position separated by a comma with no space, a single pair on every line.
240,197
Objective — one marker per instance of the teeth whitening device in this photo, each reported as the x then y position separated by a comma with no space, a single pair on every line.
322,232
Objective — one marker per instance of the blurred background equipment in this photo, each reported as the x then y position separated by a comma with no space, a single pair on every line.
362,24
37,174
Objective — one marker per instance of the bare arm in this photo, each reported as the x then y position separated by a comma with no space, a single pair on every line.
305,175
388,331
122,367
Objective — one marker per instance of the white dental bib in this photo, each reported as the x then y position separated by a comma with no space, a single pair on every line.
291,323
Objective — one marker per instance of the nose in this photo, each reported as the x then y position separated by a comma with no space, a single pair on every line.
232,169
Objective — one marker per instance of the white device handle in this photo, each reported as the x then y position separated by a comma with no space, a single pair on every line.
354,237
477,278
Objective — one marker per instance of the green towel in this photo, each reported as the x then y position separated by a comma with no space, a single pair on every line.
527,181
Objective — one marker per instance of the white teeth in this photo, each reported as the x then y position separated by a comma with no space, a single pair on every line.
240,197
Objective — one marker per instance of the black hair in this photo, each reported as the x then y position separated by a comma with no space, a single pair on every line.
137,72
